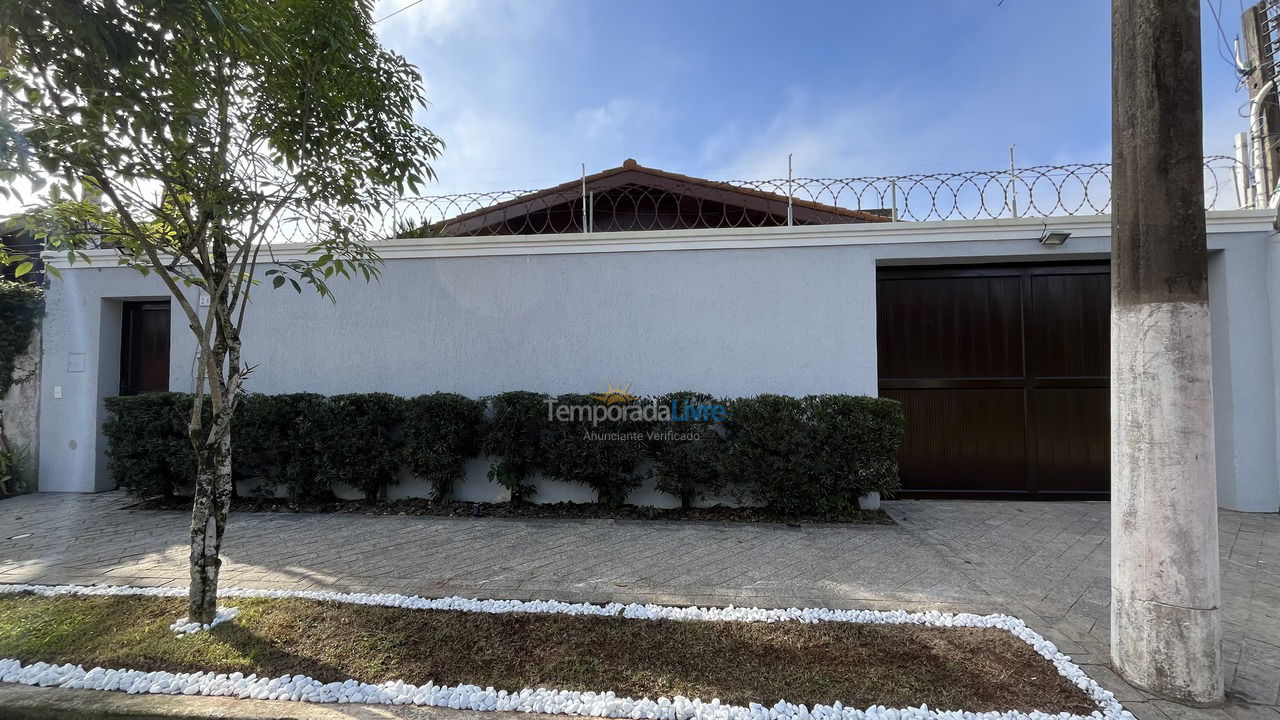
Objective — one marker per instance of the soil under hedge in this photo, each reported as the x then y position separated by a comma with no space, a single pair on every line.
422,506
975,669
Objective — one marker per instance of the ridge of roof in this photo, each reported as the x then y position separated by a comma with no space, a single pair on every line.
631,165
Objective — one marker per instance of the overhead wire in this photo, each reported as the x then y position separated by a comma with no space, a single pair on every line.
397,12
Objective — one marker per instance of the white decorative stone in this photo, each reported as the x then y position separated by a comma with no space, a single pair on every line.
300,688
183,627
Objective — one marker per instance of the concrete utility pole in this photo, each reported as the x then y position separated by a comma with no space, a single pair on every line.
1165,633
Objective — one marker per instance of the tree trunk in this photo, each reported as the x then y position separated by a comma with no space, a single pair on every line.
222,370
208,523
1165,633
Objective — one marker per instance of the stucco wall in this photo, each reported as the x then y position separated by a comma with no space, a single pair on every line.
728,312
726,321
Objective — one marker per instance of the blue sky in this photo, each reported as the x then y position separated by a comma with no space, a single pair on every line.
523,91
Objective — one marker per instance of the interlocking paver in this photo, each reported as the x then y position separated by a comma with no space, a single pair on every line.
1045,562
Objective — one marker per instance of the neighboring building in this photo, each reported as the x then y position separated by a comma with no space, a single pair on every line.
996,344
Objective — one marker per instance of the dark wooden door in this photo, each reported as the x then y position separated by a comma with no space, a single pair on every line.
144,347
1003,373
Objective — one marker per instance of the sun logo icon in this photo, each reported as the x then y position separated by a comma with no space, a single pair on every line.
615,395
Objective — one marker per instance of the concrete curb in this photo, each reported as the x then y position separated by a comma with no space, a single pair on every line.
23,702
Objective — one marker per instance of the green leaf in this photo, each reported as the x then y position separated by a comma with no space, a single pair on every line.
23,269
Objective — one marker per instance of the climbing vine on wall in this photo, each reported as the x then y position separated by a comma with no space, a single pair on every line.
21,305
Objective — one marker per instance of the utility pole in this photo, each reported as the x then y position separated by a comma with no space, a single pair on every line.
1165,632
1258,26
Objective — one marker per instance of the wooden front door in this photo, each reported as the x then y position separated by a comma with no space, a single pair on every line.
144,347
1003,374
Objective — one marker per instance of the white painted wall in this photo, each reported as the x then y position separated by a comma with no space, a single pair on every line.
732,312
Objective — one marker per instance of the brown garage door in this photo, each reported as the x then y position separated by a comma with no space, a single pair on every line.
1002,372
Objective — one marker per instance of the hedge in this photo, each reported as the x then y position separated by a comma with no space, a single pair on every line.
604,455
814,455
441,432
688,454
281,439
771,451
364,441
148,450
515,437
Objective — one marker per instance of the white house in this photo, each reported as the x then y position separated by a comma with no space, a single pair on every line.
996,344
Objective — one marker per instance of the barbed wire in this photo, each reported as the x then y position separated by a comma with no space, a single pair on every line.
1038,191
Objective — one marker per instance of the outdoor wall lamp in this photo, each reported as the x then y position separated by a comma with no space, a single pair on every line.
1057,237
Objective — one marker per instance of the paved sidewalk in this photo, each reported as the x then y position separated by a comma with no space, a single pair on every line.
1045,562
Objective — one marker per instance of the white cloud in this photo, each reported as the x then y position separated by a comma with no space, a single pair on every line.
486,72
609,120
867,136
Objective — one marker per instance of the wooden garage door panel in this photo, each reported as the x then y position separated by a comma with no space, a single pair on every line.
957,328
944,450
1070,325
1003,372
1073,447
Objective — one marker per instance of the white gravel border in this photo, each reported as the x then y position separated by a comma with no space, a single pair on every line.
542,700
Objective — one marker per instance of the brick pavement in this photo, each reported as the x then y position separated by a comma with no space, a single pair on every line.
1045,562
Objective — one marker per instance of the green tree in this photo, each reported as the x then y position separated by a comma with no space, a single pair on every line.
191,135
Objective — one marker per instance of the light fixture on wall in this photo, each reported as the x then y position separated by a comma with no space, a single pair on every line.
1055,237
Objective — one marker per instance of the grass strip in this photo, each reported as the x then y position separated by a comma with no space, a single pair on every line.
975,669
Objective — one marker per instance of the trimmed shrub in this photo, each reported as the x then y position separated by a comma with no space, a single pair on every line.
442,431
771,451
515,436
281,439
688,450
857,440
602,455
813,455
148,451
364,442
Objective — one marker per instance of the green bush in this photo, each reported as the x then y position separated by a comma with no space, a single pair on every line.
813,455
515,437
806,456
14,462
602,455
688,450
771,452
442,431
857,446
148,450
364,442
281,439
